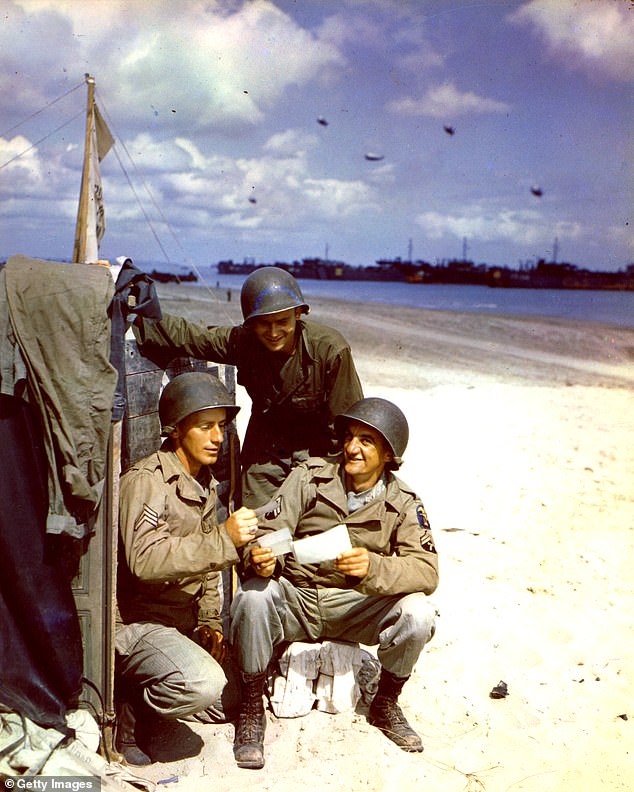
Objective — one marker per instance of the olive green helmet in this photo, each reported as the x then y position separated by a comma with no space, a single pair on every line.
189,393
268,290
385,417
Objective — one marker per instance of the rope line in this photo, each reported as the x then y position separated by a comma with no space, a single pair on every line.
37,142
160,212
41,110
119,142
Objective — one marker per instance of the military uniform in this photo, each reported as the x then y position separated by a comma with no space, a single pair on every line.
388,607
172,550
294,399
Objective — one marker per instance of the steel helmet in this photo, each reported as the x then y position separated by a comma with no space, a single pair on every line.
385,417
268,290
189,393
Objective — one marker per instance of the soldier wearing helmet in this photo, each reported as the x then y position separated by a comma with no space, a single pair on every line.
169,642
373,592
298,374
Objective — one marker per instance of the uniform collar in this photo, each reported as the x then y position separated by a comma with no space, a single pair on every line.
304,339
331,484
173,469
357,500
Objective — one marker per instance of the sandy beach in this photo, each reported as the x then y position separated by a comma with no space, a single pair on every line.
522,449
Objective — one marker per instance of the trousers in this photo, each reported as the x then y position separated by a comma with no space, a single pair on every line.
265,612
177,676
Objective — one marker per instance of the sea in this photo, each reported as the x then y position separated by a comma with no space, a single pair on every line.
607,307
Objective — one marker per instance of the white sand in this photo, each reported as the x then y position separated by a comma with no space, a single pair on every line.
522,449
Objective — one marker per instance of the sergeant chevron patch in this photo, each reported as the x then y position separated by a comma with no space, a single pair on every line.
427,542
149,516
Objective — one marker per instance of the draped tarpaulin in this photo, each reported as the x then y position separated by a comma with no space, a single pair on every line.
40,639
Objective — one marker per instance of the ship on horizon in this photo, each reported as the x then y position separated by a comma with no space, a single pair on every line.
541,275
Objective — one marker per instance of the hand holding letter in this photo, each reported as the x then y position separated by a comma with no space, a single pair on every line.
354,562
262,561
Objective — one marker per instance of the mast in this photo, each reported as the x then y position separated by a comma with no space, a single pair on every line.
79,249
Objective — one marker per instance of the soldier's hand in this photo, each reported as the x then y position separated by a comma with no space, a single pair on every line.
241,526
263,561
354,562
212,641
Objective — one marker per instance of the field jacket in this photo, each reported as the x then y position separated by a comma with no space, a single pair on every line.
56,331
171,546
393,527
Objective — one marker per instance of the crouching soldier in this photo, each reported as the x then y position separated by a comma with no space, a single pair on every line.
373,593
169,641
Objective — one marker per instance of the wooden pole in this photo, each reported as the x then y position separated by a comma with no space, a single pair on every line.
79,249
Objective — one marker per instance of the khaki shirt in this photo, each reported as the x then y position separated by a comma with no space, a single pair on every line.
393,527
171,544
294,399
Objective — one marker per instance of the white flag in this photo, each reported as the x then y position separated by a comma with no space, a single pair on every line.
101,141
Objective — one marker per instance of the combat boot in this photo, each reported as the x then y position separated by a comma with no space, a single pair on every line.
388,717
125,734
248,746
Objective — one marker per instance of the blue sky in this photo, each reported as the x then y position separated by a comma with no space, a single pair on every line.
214,108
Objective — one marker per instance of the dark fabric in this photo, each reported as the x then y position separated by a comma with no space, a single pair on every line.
40,639
131,282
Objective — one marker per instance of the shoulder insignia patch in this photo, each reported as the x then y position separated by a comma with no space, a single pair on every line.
148,516
271,509
421,516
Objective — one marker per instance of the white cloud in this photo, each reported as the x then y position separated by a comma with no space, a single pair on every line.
351,28
446,101
199,63
90,18
150,155
334,198
205,191
590,34
522,227
291,142
20,159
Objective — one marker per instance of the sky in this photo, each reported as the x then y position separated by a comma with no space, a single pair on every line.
242,129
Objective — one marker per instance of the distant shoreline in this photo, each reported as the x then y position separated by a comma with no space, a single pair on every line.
610,308
439,346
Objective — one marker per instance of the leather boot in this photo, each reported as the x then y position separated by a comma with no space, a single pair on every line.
387,716
248,746
125,734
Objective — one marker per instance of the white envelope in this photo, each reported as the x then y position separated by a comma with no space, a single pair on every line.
322,547
280,541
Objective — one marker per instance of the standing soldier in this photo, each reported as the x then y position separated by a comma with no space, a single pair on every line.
169,641
299,375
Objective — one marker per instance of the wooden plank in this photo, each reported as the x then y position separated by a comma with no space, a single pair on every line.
94,588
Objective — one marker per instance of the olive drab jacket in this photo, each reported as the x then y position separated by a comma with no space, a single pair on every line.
294,399
171,546
393,527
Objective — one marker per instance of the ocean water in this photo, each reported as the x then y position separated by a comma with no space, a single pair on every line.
616,308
